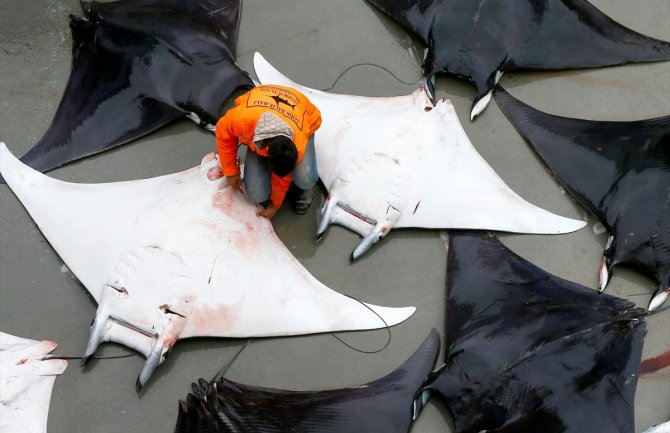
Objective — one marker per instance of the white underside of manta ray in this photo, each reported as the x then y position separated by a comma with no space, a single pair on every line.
661,428
180,256
26,381
403,162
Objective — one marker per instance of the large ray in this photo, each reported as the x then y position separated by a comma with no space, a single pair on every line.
404,162
620,172
383,406
26,380
137,65
529,352
479,40
180,256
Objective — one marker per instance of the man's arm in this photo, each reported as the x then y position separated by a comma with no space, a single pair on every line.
280,186
267,212
313,118
227,141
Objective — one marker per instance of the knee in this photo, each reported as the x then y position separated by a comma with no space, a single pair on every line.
256,190
305,175
305,182
256,196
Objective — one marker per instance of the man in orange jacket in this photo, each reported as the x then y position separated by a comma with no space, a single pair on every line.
277,124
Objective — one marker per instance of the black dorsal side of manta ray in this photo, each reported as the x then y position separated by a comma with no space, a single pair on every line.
386,405
620,172
137,65
529,352
477,39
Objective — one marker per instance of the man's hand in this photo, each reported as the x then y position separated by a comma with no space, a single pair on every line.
235,182
267,212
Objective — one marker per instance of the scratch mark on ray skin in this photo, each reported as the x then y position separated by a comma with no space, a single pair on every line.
211,272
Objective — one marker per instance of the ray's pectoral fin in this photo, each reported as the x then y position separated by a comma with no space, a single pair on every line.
383,405
123,317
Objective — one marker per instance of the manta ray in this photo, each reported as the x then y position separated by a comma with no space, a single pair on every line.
178,256
620,172
479,40
385,405
26,380
137,65
530,352
404,162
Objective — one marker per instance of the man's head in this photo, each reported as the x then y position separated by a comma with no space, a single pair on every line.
282,155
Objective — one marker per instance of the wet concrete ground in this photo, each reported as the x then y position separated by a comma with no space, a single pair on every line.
312,42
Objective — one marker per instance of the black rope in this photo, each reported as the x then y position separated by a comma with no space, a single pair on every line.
225,368
47,357
386,325
370,64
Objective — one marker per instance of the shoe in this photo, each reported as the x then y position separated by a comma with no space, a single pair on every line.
304,200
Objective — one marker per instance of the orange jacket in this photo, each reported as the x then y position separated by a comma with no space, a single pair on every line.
238,125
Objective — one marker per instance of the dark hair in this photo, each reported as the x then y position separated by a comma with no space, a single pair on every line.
282,155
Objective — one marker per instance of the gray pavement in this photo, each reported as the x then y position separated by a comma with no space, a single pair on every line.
312,42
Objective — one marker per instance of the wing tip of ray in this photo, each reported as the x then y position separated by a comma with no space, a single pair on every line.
390,315
569,225
268,74
533,219
517,112
13,171
8,163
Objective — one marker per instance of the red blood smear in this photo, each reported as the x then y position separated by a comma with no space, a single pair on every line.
656,363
